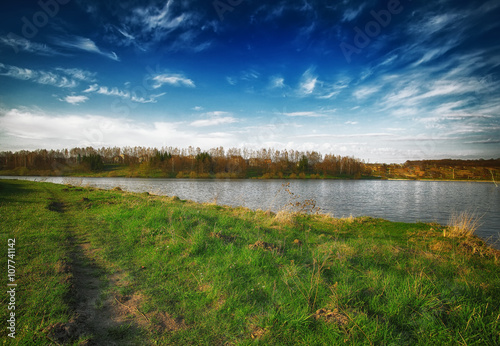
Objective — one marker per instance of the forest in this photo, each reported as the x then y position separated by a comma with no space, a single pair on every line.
446,169
172,162
181,163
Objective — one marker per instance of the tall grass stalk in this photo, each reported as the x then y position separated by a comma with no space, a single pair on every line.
463,224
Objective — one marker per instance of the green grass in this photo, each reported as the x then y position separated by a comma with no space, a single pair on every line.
187,274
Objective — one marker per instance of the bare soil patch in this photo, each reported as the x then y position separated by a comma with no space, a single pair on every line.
225,237
56,206
263,245
331,316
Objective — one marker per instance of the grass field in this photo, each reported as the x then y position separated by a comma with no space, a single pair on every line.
110,267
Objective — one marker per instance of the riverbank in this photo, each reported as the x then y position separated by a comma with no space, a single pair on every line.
188,175
137,268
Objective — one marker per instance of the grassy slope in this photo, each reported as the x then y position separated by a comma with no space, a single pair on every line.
195,280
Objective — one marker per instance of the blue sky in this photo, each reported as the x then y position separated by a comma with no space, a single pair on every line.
383,81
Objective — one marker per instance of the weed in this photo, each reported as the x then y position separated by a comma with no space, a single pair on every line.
462,224
293,206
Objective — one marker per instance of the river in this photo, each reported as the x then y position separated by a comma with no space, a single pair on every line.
408,201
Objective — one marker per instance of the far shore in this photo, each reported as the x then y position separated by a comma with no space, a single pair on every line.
249,178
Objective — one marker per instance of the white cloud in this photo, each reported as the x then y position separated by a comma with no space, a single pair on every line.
213,122
151,98
350,14
126,34
171,79
277,82
173,23
79,74
364,92
304,114
215,118
249,75
355,135
32,129
434,53
453,87
429,25
16,72
405,112
18,43
307,83
125,94
217,114
92,88
329,95
74,100
154,18
40,76
104,90
401,95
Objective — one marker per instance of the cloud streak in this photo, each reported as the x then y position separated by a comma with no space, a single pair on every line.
24,45
124,94
307,114
38,76
84,44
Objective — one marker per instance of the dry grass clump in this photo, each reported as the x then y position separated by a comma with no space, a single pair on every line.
441,246
294,206
349,219
285,217
463,224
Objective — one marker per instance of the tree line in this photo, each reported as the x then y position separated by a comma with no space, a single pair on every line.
172,162
182,162
445,169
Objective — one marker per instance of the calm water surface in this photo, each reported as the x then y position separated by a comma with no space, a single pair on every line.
408,201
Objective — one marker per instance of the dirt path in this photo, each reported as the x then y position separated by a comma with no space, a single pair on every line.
100,316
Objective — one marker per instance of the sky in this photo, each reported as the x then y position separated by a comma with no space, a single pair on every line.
382,81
